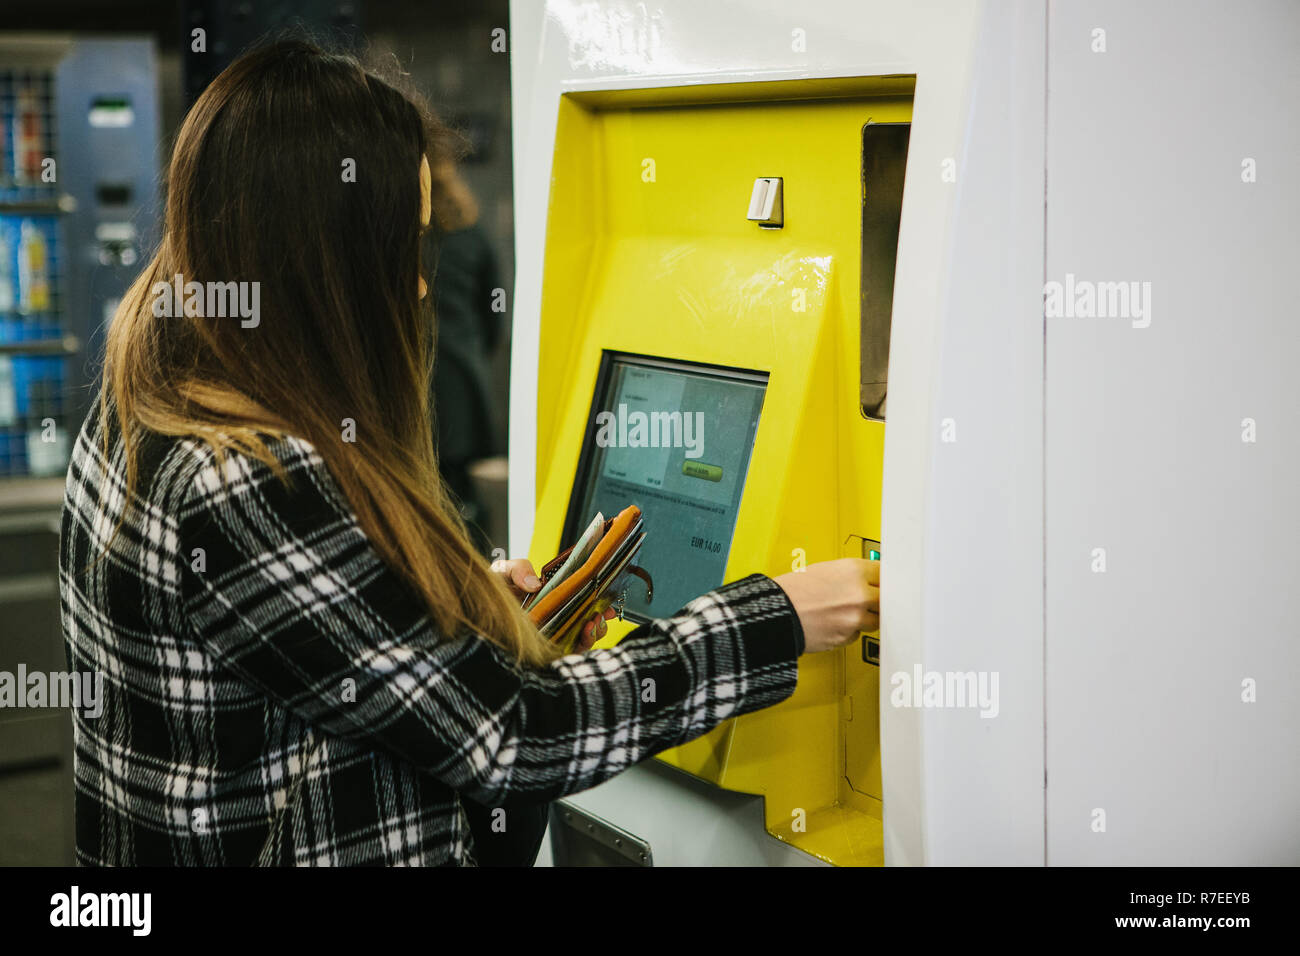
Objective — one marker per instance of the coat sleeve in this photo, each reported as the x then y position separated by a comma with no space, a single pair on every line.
292,598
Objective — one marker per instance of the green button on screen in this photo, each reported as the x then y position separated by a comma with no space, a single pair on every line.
695,469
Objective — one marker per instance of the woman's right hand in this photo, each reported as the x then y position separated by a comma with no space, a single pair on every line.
835,600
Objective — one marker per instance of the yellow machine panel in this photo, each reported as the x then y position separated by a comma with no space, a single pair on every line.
650,252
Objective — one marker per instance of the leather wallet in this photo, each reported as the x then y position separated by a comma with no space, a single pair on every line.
594,586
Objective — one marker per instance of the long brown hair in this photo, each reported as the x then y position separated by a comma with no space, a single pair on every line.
259,191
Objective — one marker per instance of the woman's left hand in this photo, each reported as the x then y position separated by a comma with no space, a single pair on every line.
519,576
523,581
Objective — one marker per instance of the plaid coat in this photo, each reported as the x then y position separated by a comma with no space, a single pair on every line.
274,694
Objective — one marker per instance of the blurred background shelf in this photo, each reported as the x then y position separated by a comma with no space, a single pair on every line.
78,192
99,90
37,207
63,345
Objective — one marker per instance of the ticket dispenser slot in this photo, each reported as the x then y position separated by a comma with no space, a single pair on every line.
884,160
676,274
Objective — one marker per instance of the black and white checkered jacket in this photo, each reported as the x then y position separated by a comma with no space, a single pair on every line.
274,694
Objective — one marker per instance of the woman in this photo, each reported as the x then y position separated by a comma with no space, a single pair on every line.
305,660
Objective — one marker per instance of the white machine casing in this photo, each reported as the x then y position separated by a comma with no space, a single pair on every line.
1147,712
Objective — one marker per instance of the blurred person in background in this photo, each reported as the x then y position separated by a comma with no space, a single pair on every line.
469,313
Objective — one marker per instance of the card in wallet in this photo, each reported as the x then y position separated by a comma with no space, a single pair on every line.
572,592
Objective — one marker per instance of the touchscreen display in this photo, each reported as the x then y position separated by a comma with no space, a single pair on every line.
674,439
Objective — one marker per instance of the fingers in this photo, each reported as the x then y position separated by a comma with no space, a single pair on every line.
871,609
593,631
867,614
523,576
519,574
873,573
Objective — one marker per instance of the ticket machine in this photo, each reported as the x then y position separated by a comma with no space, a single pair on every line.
714,340
708,234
